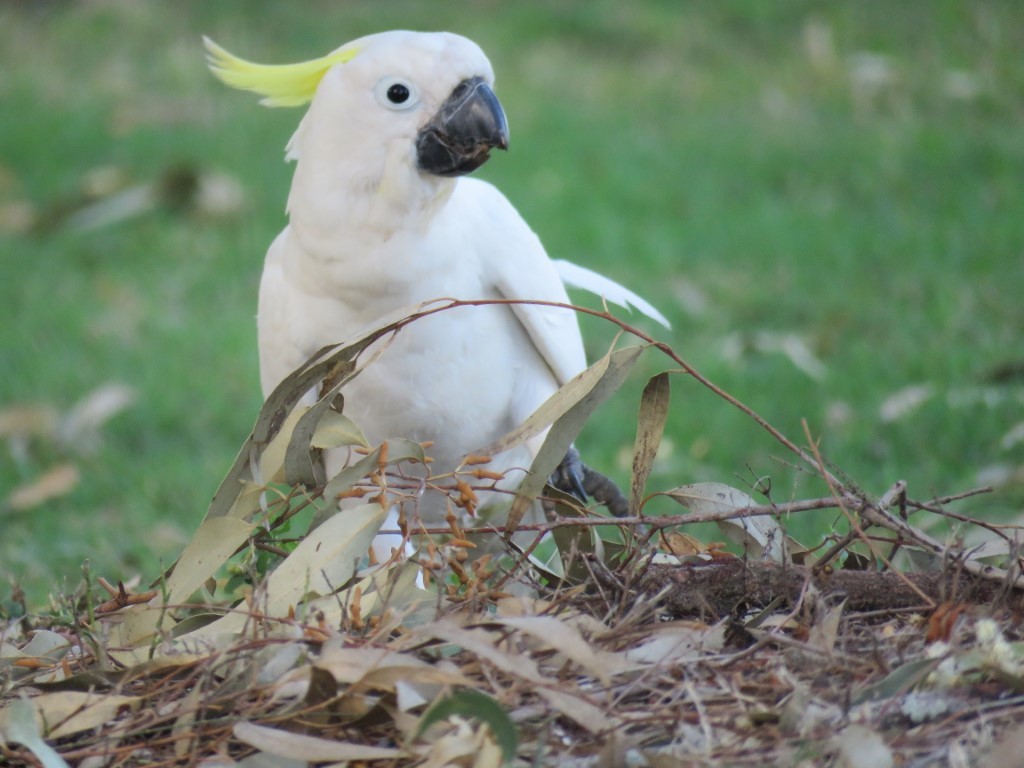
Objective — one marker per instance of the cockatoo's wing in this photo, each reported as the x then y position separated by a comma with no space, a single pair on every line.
576,276
518,268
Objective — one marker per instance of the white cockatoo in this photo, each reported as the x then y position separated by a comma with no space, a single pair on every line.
382,217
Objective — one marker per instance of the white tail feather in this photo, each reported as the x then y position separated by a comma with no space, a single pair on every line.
580,277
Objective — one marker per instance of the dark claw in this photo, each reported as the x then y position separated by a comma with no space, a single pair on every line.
572,476
568,475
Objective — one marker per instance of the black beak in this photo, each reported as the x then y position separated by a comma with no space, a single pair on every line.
459,138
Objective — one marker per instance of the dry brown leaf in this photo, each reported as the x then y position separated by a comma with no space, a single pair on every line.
482,644
350,665
182,730
80,427
68,712
942,622
826,629
28,420
567,640
274,741
579,710
653,412
760,535
680,544
676,643
54,483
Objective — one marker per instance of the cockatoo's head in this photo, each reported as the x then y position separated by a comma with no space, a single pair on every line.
426,96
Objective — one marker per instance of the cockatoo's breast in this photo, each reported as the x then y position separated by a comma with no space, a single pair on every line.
461,378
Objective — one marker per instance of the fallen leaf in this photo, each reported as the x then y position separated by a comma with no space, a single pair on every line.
471,703
296,746
482,644
903,402
580,711
80,427
30,420
68,712
17,217
861,747
653,412
54,483
680,544
567,640
760,535
18,724
825,631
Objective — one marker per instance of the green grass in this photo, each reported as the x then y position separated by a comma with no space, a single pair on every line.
736,152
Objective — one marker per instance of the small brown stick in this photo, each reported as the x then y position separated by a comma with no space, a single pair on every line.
121,597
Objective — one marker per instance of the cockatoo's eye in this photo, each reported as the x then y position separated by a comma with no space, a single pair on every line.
398,94
395,93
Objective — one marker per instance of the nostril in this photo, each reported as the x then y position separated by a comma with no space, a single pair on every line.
466,87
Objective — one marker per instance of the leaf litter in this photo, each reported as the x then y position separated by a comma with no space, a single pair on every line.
274,641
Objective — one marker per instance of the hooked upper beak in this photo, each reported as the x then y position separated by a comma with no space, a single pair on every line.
459,138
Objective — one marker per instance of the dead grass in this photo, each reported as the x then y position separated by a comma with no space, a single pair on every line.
808,682
605,642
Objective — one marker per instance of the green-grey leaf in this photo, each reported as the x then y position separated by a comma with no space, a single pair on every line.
336,430
302,461
352,474
571,540
21,727
211,546
335,361
901,679
478,705
577,403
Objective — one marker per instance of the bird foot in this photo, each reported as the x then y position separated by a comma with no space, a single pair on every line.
574,477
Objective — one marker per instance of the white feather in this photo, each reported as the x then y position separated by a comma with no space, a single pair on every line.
576,276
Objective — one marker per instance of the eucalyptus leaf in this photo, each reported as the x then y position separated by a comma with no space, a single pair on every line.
556,406
572,541
18,725
271,463
331,363
211,546
760,535
897,682
574,402
336,430
651,418
324,561
474,704
63,713
302,463
296,746
352,474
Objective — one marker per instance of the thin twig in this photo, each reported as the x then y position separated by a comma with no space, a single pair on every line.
854,524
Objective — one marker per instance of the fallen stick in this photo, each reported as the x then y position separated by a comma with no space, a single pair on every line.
725,586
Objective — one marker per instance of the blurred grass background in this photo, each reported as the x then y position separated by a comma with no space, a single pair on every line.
827,199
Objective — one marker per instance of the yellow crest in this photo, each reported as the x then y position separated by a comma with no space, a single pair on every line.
280,85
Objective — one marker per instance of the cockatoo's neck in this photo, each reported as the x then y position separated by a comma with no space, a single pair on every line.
341,200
